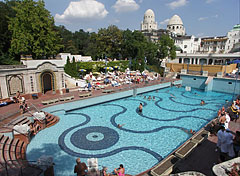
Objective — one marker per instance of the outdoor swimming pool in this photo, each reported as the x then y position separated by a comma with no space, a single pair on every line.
143,141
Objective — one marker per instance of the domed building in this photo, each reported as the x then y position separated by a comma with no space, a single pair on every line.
149,21
175,26
149,27
233,42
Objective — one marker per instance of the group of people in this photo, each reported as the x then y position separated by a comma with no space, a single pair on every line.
81,169
227,145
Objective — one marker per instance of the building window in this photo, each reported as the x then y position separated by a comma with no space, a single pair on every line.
31,82
62,80
185,46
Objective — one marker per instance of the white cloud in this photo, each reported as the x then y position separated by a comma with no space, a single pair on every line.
202,18
81,11
164,22
200,34
178,3
125,6
209,1
116,21
89,30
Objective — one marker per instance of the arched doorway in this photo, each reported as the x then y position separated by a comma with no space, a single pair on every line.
47,80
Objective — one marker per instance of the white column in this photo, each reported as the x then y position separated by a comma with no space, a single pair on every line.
3,85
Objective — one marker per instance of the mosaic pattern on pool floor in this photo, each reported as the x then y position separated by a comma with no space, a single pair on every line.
143,140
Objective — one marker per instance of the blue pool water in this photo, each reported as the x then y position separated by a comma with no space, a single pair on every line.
143,141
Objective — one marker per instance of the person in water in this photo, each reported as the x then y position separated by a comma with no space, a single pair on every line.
202,102
140,107
120,171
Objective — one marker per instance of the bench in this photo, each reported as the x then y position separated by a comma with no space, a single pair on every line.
185,149
165,167
85,95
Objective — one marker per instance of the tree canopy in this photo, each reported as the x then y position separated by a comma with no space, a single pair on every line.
33,31
27,28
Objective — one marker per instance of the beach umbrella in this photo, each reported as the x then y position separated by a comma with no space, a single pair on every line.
116,67
96,73
82,70
108,68
234,62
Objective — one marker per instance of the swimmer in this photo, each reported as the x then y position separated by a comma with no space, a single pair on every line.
153,98
202,102
140,107
145,97
149,98
172,95
189,131
119,126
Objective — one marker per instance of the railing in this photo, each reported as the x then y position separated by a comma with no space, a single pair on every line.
19,171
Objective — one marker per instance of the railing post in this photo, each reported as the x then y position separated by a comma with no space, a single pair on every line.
21,171
6,169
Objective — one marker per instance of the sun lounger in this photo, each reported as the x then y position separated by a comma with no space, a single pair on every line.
185,149
53,101
165,167
46,102
199,137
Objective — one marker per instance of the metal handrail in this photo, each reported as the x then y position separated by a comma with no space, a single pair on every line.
5,164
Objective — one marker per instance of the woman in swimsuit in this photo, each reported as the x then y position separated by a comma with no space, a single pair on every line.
120,171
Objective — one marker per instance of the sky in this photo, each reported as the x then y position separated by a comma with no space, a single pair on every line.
200,17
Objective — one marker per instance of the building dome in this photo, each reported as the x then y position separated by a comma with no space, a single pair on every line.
236,27
149,12
149,16
175,20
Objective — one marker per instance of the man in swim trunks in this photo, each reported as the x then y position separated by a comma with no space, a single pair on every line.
140,108
80,168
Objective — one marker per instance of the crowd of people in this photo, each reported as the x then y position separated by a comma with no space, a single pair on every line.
118,78
228,143
81,169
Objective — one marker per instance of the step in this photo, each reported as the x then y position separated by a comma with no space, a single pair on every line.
2,146
19,149
13,152
7,150
16,122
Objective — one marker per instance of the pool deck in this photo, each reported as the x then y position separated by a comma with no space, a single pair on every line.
202,159
11,111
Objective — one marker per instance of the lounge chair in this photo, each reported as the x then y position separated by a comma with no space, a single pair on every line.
53,101
185,149
165,167
46,102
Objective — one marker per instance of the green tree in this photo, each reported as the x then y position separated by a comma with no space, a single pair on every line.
109,41
93,48
33,31
166,47
6,11
67,67
81,40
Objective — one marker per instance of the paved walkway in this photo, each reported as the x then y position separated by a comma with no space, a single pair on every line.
10,112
